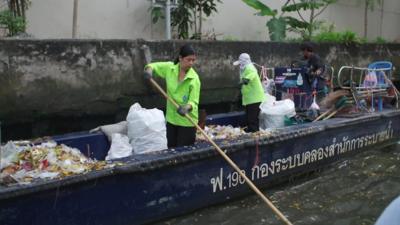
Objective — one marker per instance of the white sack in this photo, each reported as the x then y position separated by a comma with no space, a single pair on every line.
120,147
110,129
146,129
272,114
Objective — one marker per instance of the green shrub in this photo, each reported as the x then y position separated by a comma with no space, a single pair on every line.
230,38
345,37
380,40
14,24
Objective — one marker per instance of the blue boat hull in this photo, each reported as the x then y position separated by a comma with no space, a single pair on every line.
173,182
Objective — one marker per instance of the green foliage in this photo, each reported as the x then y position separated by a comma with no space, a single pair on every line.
207,6
187,15
306,27
295,23
14,24
156,14
278,25
303,5
277,29
380,40
328,34
263,9
345,37
363,40
229,38
182,19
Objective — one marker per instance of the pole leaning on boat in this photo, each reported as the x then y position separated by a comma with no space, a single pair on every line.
147,56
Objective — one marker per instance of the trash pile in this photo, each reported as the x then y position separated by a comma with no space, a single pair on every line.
217,132
23,162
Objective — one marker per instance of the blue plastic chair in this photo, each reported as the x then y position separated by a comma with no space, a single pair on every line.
387,68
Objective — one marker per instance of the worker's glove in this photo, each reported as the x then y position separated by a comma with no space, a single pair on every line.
184,109
147,75
244,81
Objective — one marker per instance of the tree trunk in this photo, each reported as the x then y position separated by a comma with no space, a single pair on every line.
366,18
195,20
381,22
311,28
17,7
12,7
23,9
200,22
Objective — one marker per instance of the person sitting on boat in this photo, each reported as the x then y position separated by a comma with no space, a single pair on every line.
315,70
252,91
183,86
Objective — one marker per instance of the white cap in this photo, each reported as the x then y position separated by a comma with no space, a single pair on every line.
244,59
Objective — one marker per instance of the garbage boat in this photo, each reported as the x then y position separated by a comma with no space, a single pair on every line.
144,188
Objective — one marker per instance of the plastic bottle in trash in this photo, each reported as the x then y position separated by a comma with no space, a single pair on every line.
299,80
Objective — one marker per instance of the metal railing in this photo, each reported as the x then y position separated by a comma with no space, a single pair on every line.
356,82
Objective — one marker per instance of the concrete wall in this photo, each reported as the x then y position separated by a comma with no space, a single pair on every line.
130,19
53,86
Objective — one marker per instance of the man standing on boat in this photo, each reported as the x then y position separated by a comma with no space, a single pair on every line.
183,86
315,69
252,91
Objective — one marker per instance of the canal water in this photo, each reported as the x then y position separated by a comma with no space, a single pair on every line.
353,191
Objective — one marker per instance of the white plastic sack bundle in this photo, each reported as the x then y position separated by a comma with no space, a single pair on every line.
120,147
268,85
9,154
272,114
269,99
110,129
313,110
146,129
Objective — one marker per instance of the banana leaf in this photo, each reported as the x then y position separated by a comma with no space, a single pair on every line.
277,29
263,9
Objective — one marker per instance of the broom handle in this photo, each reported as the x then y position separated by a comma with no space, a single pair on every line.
222,153
333,113
323,114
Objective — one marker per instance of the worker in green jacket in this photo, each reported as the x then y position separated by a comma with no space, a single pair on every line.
183,86
252,91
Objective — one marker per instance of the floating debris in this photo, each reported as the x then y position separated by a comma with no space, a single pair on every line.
22,162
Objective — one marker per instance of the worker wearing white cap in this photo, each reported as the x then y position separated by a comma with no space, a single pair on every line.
252,91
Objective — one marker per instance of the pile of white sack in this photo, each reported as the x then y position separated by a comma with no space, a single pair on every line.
143,131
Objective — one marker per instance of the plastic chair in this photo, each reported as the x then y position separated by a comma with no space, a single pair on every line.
381,69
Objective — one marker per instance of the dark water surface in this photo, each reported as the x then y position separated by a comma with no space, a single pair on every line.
353,191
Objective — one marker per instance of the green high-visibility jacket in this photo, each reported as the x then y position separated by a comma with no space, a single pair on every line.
185,92
252,92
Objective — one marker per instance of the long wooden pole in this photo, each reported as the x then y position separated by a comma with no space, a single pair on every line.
222,153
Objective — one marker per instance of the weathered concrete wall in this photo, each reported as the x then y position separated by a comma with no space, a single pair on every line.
56,83
234,20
